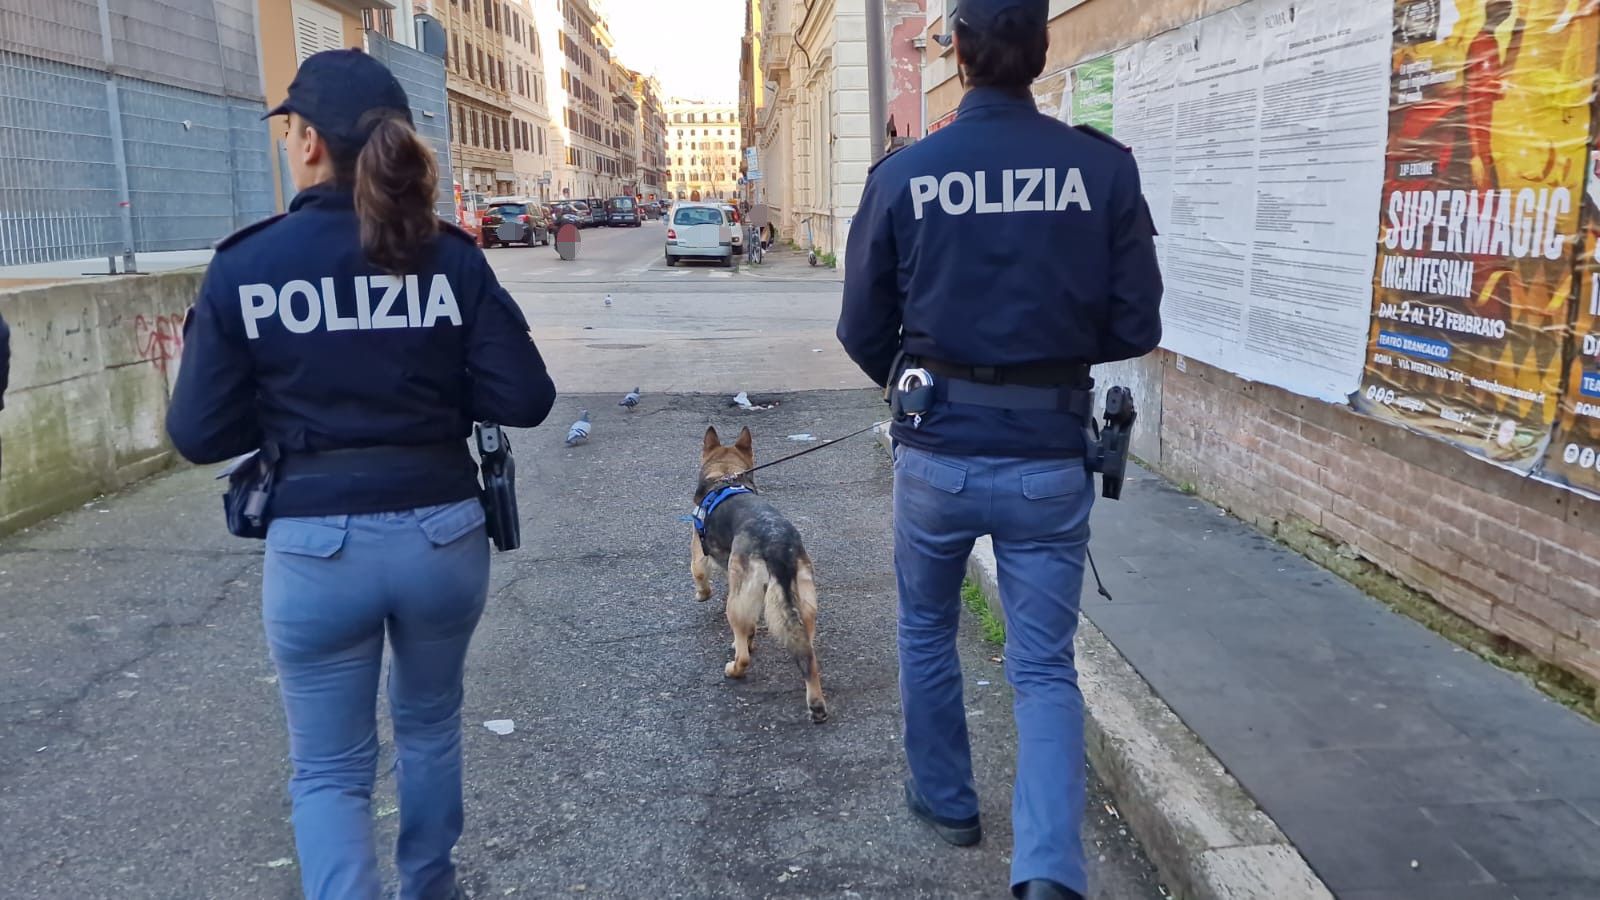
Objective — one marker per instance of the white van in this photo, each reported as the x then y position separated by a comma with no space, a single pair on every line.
700,231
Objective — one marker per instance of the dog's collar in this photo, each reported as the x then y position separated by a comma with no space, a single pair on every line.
713,499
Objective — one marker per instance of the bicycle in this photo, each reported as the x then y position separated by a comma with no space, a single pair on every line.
754,252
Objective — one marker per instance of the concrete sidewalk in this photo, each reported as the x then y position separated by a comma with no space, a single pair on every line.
1401,766
782,262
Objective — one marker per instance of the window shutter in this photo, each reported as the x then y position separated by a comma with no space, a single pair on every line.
316,28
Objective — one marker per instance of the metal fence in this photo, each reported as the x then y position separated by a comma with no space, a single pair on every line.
128,125
422,76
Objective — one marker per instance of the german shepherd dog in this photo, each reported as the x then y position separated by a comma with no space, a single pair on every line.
769,573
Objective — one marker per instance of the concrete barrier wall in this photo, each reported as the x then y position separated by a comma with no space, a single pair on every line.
92,368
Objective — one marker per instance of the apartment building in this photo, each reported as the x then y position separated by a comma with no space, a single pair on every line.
652,137
578,76
624,135
478,83
703,149
530,111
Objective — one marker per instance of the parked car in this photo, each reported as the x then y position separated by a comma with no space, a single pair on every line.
700,231
732,212
514,220
586,216
623,212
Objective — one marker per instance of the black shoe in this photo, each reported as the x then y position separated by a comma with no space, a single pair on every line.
960,832
1040,889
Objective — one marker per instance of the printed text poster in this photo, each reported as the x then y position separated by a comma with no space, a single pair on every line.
1260,134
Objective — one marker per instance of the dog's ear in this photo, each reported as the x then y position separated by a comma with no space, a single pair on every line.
745,441
712,441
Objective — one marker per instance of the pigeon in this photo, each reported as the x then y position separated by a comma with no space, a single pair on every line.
631,400
579,432
608,299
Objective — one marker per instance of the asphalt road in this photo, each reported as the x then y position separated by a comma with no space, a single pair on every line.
143,748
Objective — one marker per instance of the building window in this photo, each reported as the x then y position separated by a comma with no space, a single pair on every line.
455,52
477,140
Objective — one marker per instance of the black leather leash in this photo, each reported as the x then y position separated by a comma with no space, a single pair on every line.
822,446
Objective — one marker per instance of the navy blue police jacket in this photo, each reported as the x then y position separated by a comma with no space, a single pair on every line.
5,359
298,343
1006,238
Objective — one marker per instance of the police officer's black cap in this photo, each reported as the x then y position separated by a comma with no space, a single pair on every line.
979,15
338,90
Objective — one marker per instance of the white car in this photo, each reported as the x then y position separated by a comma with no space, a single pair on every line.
700,231
738,229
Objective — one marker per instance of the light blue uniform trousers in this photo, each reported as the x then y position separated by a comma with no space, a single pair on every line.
333,586
1037,511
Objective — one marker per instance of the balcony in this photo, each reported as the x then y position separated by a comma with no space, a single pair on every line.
775,50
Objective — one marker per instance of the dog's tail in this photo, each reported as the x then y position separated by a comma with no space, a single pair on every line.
790,592
791,614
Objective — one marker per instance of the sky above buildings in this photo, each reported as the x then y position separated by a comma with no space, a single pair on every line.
691,45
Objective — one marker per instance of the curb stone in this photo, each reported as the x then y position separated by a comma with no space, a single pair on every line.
1206,836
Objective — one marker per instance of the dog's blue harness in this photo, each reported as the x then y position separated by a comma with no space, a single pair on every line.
714,499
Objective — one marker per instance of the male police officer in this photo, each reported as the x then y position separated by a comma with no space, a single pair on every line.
989,265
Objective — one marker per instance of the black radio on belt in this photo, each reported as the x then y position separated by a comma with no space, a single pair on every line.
499,487
1107,446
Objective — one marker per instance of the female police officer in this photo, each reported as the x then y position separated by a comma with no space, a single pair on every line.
359,338
1001,255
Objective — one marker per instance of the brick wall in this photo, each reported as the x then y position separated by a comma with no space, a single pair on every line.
1518,557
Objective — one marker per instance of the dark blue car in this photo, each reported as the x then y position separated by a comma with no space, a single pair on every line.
623,212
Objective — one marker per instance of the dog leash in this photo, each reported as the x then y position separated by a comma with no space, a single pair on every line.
825,444
822,446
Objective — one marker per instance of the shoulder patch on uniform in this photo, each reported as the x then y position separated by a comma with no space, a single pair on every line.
455,230
1099,135
246,231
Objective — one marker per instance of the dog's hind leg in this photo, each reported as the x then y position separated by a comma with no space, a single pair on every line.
805,596
747,583
698,568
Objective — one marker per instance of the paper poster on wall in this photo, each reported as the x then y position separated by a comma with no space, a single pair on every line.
1049,92
1489,135
1144,117
1574,455
1260,134
1092,93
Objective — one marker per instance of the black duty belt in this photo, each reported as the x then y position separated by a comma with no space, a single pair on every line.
1070,375
1045,388
374,459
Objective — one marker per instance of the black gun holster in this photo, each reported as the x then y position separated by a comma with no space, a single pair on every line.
249,494
1106,447
499,494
